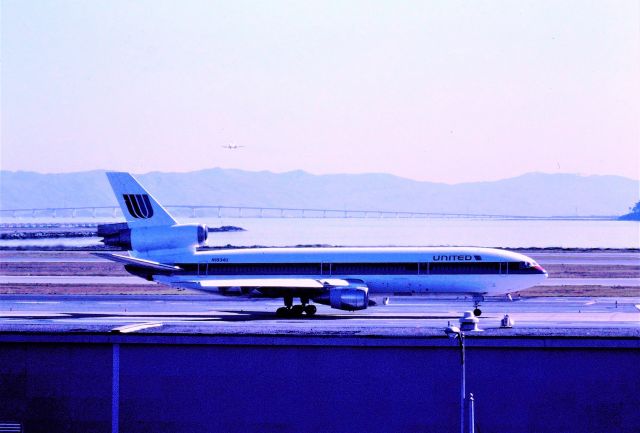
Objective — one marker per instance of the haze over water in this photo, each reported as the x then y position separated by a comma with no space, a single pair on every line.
430,232
396,232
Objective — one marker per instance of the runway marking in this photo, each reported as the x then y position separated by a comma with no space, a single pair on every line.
37,302
135,314
136,327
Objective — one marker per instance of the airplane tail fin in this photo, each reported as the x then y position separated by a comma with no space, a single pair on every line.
139,207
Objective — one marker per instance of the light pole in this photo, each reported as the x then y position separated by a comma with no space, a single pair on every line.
454,332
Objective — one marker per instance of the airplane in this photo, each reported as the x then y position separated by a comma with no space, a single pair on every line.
162,250
232,146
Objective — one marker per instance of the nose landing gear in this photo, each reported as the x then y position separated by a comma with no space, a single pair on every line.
476,309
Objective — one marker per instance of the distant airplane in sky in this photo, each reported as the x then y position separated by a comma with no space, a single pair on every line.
162,250
232,146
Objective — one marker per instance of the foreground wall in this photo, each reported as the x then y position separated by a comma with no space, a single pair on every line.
290,384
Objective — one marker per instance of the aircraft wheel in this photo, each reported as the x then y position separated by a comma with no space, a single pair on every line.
310,310
477,312
282,312
297,310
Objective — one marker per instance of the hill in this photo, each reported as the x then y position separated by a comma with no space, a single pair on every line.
534,194
634,215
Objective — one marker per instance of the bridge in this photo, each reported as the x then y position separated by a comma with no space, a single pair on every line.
196,211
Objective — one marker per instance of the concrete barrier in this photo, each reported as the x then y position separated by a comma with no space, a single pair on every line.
185,383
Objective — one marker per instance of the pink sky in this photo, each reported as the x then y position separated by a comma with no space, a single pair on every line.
441,91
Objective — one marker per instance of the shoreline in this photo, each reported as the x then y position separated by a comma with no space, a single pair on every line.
68,231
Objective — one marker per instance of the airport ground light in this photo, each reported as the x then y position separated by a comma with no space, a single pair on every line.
467,323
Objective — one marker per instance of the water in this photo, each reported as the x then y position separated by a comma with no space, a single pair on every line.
426,232
399,232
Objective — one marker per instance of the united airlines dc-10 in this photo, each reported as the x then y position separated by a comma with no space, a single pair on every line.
162,250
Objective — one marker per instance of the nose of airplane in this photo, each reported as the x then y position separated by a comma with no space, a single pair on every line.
541,270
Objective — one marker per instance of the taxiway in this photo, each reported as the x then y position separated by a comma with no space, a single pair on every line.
203,314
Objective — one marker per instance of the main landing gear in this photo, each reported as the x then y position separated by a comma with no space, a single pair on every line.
290,310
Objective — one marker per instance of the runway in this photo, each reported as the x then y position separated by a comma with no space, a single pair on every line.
202,314
50,291
627,258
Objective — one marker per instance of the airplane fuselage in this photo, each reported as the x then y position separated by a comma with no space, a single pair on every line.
484,271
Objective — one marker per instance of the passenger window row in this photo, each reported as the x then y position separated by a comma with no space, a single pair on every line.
440,268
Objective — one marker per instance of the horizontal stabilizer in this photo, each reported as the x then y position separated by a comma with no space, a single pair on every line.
140,263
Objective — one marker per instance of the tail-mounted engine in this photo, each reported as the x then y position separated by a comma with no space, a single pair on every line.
153,238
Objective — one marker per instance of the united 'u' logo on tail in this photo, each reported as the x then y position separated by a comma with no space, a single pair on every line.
138,205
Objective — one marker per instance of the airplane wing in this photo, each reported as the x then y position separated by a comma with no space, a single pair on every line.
292,284
140,263
280,283
286,284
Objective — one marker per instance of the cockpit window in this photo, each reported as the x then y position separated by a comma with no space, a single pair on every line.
525,267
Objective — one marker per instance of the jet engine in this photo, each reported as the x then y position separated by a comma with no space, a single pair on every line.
349,298
153,238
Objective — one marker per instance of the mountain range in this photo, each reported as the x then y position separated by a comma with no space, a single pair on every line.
533,194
